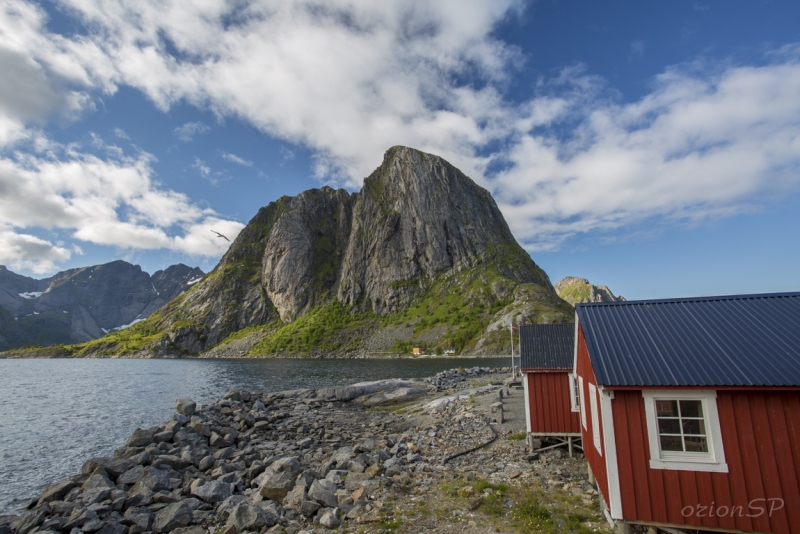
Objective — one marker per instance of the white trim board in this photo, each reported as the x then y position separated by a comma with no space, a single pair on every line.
527,402
610,445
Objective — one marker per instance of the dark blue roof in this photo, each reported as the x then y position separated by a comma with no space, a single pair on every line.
547,346
740,340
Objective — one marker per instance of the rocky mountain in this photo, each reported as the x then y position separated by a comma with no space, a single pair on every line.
420,256
575,290
79,305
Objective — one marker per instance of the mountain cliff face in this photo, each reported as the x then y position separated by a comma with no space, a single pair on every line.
575,290
420,253
83,304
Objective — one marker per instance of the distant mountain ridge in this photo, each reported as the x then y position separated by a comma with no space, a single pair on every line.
82,304
576,290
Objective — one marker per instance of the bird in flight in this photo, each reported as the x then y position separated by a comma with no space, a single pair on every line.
222,236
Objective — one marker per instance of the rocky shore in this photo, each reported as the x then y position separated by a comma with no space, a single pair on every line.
378,456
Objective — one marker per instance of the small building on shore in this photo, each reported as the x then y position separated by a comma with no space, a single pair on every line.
690,410
551,407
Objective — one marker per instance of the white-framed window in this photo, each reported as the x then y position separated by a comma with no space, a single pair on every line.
583,404
683,431
574,397
593,401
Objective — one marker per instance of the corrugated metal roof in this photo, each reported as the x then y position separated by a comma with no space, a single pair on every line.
547,346
739,340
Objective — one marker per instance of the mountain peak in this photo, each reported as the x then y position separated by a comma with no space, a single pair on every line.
576,290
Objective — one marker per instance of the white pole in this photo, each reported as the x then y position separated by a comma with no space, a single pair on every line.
511,331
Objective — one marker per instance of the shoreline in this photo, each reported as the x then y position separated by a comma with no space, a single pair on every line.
289,461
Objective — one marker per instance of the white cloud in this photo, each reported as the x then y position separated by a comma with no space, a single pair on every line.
202,168
187,132
349,78
233,158
25,251
110,201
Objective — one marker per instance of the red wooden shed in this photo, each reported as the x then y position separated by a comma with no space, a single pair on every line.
690,410
551,407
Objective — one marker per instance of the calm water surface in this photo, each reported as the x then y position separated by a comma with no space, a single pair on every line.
55,414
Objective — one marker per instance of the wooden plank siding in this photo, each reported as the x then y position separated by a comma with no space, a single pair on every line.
549,403
596,460
761,439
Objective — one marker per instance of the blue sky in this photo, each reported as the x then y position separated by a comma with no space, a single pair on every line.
653,147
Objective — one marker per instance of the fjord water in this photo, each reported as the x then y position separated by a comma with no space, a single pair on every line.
55,414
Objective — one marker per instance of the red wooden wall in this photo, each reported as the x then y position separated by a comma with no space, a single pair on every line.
596,461
761,439
549,403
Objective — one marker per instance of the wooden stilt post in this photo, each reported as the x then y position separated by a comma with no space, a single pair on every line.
570,446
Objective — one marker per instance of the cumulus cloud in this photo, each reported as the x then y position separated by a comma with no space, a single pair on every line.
25,251
187,132
349,78
108,201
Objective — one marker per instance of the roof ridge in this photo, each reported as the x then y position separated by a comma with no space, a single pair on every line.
705,298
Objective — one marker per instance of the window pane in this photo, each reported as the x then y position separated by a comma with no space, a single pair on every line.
669,426
694,426
667,408
695,444
671,443
691,408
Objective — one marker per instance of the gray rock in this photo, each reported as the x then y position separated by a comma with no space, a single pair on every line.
206,463
296,496
130,476
174,516
214,491
97,481
112,528
92,525
185,406
324,492
30,520
289,464
57,491
309,508
356,480
163,436
143,458
196,529
113,467
245,516
329,520
154,479
228,504
277,486
95,495
140,517
141,437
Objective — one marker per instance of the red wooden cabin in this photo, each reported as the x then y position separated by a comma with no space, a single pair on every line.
551,407
690,410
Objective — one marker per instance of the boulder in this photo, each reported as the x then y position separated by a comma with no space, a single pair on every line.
214,491
154,479
329,519
57,491
112,527
30,520
245,516
141,437
185,407
277,486
97,481
289,464
176,515
324,492
130,476
114,467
